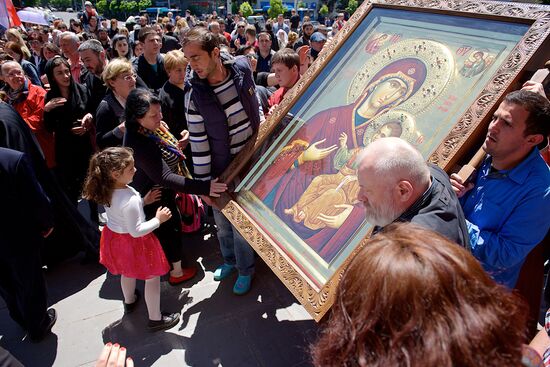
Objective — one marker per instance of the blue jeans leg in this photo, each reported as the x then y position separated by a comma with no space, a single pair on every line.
235,250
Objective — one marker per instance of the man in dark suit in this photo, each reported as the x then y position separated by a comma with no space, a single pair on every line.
25,219
74,232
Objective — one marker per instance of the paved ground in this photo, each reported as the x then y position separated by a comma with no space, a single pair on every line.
263,328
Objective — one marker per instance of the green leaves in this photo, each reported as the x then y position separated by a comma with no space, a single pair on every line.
276,8
246,9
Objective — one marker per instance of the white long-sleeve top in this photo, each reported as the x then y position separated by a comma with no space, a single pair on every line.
125,215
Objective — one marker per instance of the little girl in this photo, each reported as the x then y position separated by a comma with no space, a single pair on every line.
128,245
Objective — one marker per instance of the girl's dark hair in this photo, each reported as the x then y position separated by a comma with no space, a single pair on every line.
99,183
48,69
411,297
118,38
138,103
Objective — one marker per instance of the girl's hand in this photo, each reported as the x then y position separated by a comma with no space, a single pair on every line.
163,214
114,355
53,103
152,196
216,188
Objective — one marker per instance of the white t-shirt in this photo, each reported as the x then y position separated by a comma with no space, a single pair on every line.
125,215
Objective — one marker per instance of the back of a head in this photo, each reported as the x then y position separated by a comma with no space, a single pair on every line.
412,295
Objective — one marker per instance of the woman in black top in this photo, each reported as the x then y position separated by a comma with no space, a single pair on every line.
66,114
159,162
120,79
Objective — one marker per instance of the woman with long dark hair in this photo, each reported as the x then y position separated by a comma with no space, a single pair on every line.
120,47
413,298
160,162
66,114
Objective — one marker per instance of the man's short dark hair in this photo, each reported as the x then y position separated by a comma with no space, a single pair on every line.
264,34
144,32
286,56
205,39
169,27
91,44
307,24
538,121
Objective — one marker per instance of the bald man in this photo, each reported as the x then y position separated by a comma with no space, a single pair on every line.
397,185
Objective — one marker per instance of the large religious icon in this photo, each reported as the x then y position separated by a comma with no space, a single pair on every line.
312,181
427,76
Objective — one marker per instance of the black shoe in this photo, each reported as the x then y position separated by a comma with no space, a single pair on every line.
130,307
167,321
52,318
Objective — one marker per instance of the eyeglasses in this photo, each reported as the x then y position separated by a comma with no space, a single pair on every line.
240,26
252,56
130,77
14,73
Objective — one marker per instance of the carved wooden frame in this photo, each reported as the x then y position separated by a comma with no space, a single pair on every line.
318,302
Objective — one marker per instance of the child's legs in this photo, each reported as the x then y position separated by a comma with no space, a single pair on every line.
128,286
152,298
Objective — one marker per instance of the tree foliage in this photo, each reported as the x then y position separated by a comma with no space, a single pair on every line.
323,10
246,9
102,6
114,6
301,4
143,4
352,6
60,4
129,7
275,8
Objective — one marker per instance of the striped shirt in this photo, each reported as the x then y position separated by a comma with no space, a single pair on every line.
240,129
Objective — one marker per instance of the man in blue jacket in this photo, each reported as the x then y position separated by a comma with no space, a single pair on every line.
223,114
506,206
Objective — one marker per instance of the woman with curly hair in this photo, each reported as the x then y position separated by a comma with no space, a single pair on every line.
413,298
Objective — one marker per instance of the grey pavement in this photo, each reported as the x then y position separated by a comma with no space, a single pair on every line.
266,327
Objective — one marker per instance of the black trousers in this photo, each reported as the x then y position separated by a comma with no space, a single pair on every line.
23,288
169,233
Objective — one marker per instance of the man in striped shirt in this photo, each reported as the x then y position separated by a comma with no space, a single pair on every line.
223,113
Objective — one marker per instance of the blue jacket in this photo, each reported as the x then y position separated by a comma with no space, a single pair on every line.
215,120
507,215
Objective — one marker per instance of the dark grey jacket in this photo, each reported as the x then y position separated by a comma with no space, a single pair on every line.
438,209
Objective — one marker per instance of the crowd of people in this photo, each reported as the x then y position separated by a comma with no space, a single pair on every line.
128,118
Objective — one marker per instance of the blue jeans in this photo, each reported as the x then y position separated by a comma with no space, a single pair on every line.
235,250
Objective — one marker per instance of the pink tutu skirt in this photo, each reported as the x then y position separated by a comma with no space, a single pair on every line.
140,258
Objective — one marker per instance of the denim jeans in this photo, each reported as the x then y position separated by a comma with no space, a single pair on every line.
235,250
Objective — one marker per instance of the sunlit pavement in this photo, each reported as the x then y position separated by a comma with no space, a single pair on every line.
266,327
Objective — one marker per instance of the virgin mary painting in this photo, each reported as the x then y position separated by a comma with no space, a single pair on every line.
311,154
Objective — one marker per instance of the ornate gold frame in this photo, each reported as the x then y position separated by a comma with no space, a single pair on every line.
318,301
